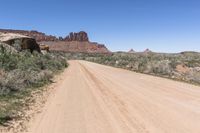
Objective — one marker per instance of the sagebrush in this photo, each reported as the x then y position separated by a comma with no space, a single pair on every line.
20,74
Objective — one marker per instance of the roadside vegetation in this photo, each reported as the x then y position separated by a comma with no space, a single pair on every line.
20,74
183,66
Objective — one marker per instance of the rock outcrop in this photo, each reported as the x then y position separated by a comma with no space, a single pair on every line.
38,36
77,46
147,51
131,51
19,42
74,42
7,48
80,36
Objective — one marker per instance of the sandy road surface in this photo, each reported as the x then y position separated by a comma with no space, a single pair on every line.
99,99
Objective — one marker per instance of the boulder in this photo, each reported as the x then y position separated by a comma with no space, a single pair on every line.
7,48
19,42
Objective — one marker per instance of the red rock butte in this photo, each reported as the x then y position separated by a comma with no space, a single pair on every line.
74,42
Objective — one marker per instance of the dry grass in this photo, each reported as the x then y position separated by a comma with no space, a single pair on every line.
20,74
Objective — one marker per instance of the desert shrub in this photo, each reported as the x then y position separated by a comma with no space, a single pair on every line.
160,64
162,67
20,74
24,70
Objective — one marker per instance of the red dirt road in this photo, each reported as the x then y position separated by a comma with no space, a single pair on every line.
94,98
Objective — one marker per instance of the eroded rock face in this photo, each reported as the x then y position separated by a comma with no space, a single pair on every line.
147,51
19,42
131,51
74,42
39,36
77,46
80,36
7,48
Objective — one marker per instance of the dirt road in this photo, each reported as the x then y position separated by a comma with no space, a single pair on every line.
99,99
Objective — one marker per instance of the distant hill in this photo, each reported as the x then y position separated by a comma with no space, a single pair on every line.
131,51
147,51
74,42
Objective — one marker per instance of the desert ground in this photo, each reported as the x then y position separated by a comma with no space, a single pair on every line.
95,98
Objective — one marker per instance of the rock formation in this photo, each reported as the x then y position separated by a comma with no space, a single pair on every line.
77,46
74,42
80,36
147,51
19,42
39,36
131,51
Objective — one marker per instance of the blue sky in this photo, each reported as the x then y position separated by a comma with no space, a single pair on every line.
160,25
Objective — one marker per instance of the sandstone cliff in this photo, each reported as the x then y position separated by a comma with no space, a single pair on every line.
74,42
39,36
80,36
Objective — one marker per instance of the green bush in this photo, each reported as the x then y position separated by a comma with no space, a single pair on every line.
160,64
20,74
24,69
